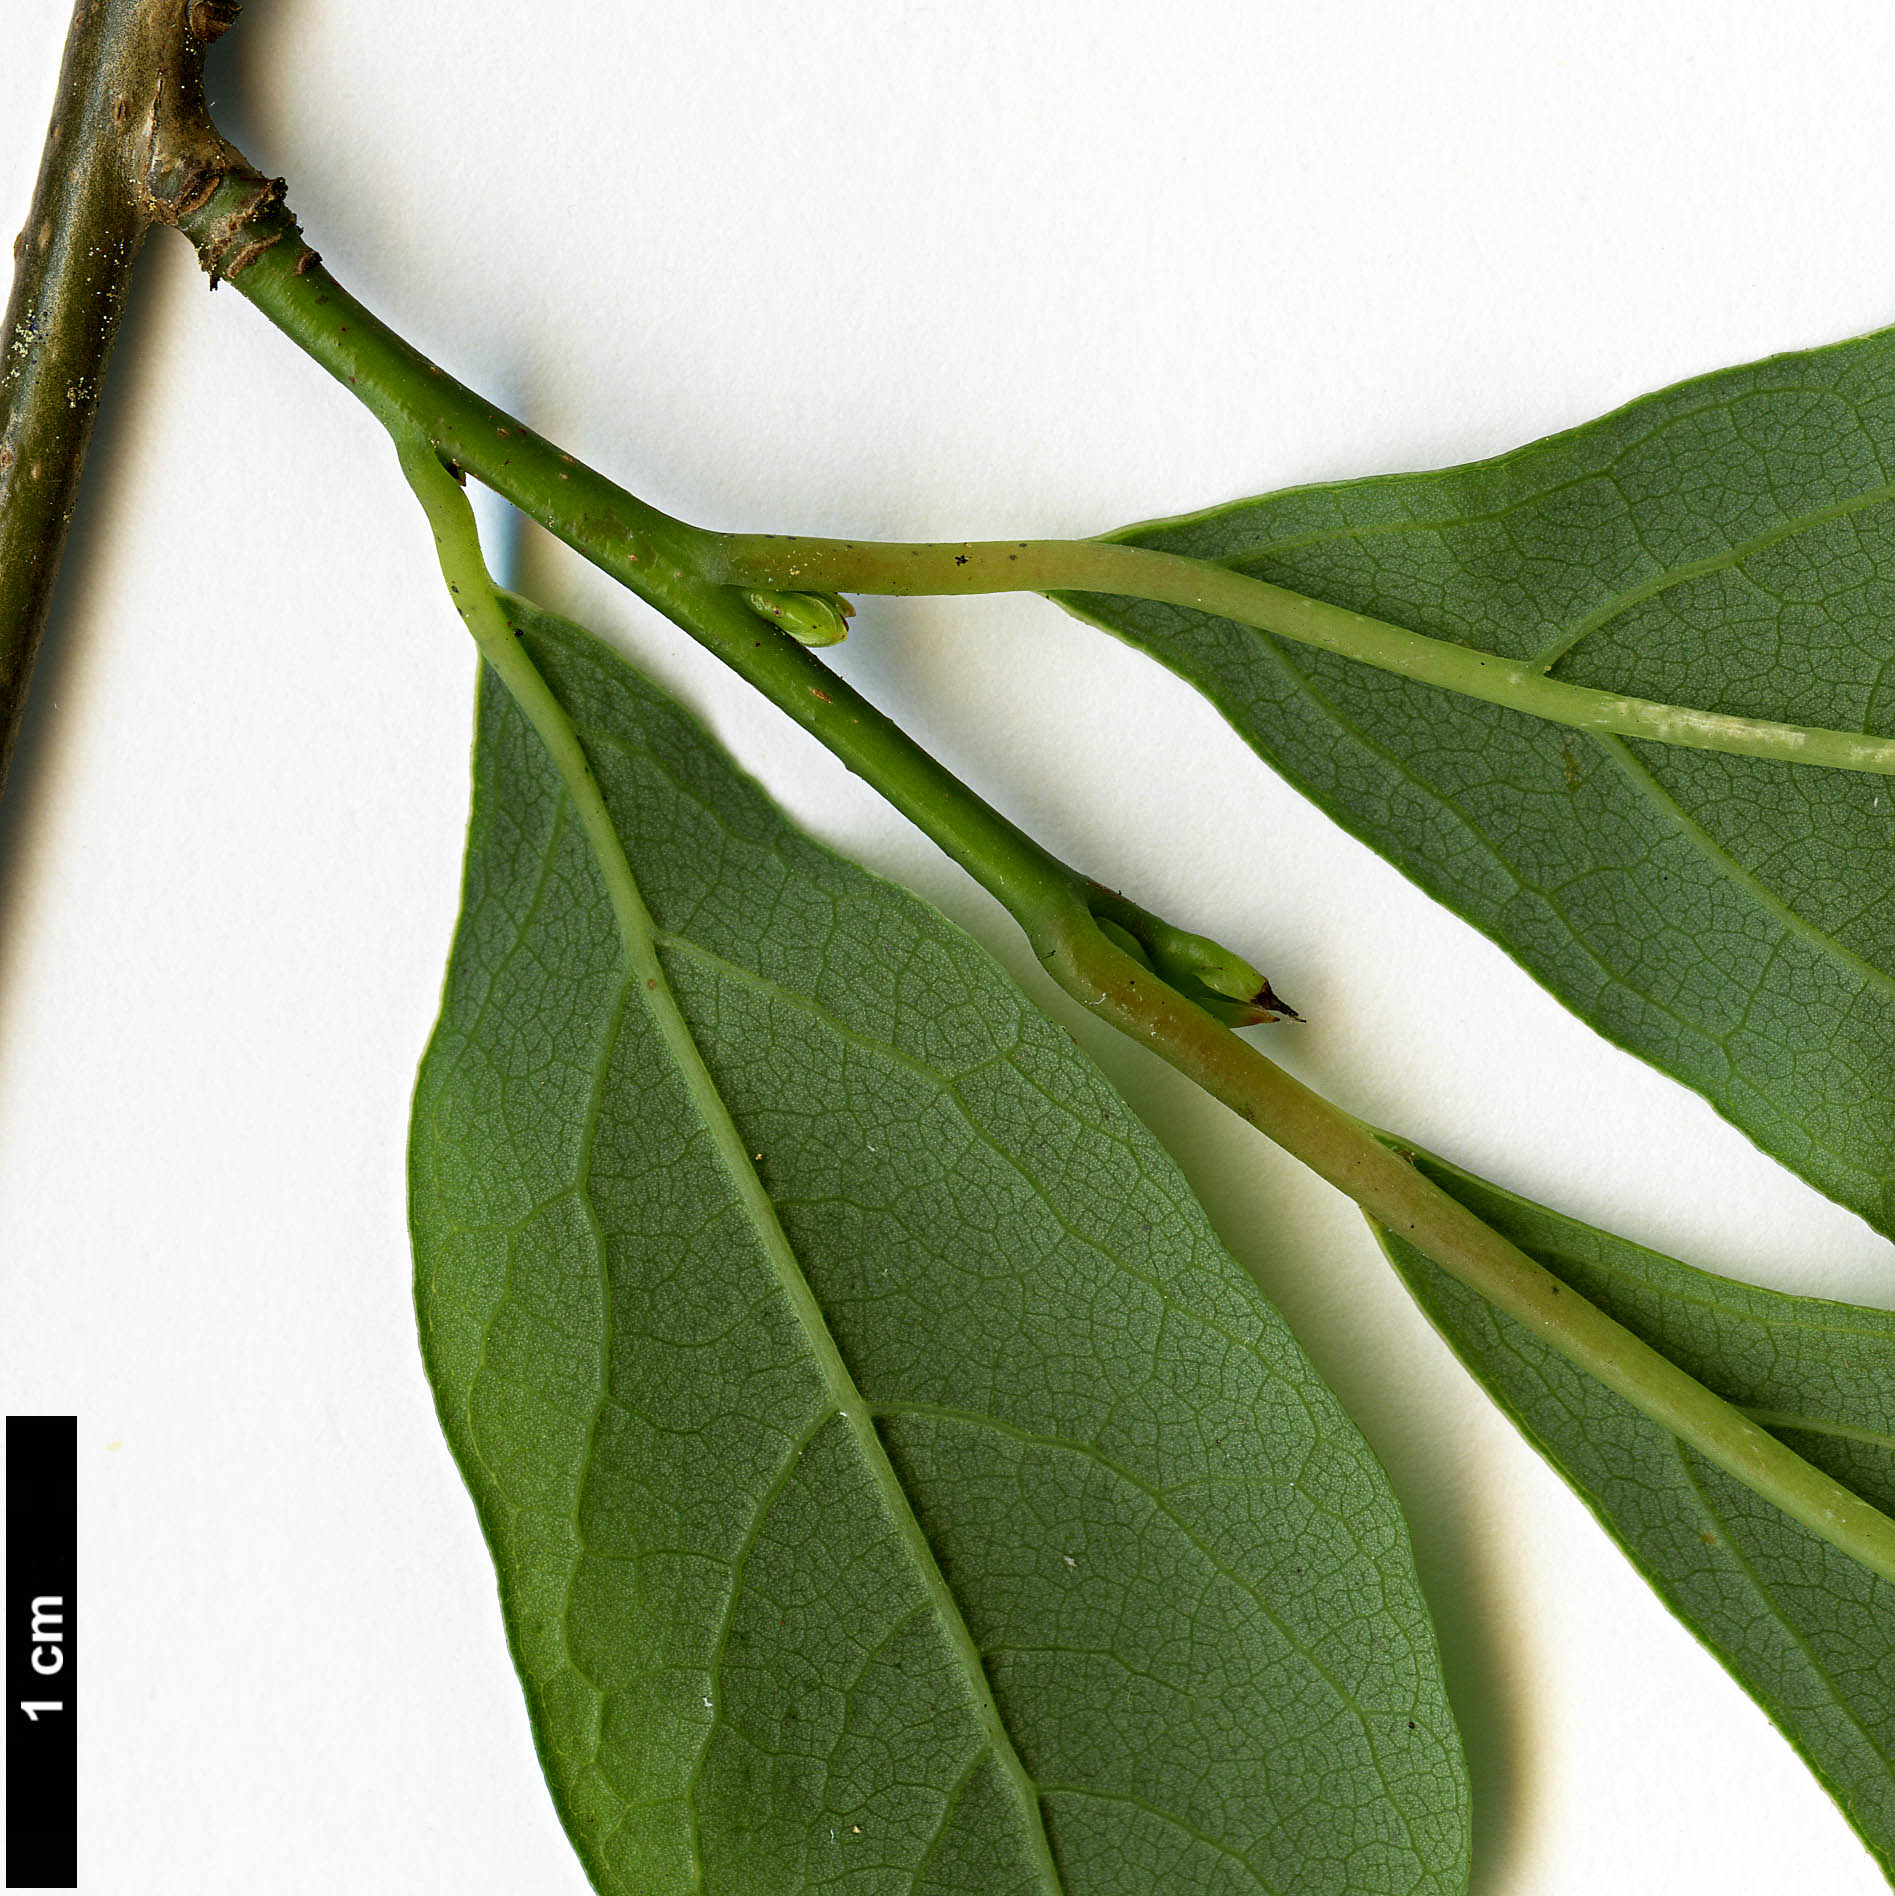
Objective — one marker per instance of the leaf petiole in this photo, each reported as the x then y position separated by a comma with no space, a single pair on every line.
1106,568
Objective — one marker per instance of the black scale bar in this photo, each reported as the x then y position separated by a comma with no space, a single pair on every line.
42,1632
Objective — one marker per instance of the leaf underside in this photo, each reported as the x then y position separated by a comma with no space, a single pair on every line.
1805,1630
1727,544
893,1485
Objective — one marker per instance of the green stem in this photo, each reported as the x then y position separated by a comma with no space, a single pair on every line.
662,560
244,232
1105,567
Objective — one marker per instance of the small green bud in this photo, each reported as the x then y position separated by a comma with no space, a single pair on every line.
1204,971
1209,963
1224,984
809,618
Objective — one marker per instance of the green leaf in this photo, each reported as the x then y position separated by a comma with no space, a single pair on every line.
894,1487
1728,544
1808,1633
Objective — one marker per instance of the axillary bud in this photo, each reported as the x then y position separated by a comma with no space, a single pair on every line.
809,618
1204,971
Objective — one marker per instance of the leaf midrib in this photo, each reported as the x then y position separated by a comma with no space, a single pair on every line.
637,934
1158,1499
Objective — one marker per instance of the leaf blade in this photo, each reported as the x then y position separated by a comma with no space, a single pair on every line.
945,1268
1808,1633
1727,544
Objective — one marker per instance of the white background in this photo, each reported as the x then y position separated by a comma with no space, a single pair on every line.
914,271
